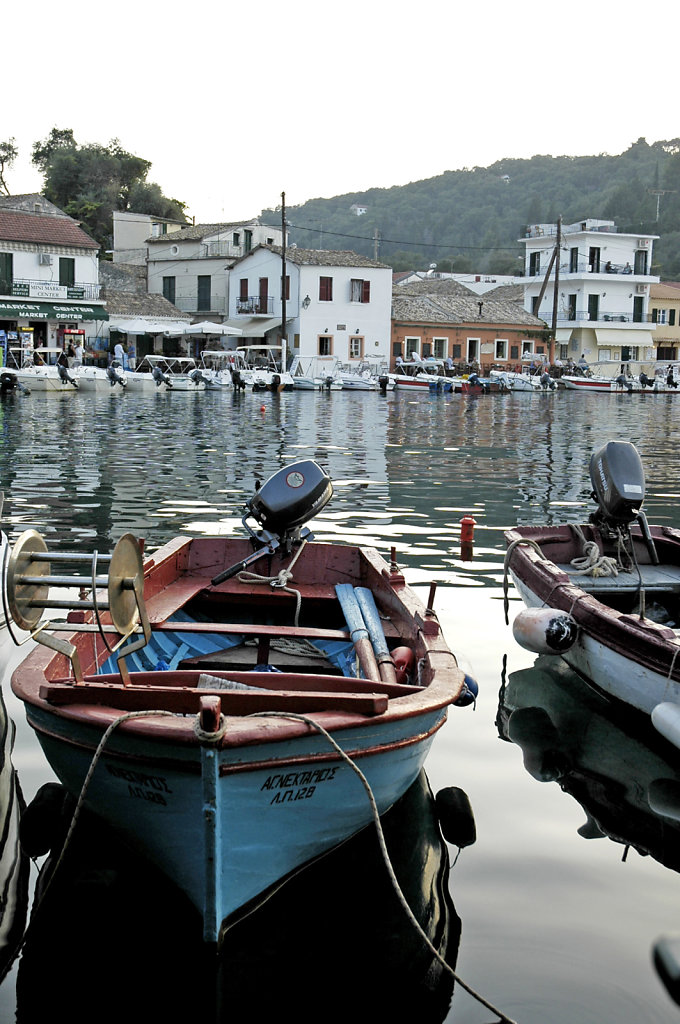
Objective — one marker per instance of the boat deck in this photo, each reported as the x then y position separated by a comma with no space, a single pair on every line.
660,578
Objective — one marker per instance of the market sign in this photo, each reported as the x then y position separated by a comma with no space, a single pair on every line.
45,290
50,311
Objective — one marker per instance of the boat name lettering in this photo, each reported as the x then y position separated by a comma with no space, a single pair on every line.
299,778
154,782
288,795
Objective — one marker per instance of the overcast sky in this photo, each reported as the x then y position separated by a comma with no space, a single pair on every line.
234,104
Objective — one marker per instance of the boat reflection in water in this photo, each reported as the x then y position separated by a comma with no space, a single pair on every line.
14,864
610,759
605,755
114,937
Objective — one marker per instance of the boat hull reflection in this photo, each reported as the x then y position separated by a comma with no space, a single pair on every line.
332,942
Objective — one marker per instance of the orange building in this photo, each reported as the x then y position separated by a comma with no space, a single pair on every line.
471,330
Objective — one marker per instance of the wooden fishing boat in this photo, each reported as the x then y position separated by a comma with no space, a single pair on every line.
227,712
605,595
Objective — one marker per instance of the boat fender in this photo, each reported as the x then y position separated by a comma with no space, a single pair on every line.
456,819
666,955
545,630
468,695
162,666
666,720
663,796
404,662
45,821
531,728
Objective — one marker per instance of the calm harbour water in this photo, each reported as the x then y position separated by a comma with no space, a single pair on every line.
555,927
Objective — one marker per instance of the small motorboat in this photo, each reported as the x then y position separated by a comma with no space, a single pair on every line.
605,595
422,375
220,715
41,371
542,383
260,368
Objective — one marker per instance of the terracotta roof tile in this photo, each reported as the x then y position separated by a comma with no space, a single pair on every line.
43,230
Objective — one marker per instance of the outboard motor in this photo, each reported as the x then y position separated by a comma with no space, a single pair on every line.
237,380
276,382
114,375
383,381
65,377
10,382
197,377
623,382
160,377
547,383
281,506
646,381
618,481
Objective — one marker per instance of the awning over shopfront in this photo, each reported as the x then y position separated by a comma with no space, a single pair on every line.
254,327
613,338
60,311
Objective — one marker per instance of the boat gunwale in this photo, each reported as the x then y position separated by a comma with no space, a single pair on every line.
653,644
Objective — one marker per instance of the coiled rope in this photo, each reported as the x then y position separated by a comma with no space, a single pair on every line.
593,562
280,581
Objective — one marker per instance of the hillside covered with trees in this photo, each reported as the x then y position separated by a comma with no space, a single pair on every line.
470,219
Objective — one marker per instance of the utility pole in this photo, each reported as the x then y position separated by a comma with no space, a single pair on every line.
376,244
558,246
284,353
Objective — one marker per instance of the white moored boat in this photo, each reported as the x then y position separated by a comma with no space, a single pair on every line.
44,373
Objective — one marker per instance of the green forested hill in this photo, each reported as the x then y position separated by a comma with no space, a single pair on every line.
470,220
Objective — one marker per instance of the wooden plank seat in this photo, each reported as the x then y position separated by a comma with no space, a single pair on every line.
187,700
659,578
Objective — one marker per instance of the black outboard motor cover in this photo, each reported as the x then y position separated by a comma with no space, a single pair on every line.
618,481
290,497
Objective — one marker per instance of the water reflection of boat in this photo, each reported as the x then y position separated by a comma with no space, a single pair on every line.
14,864
333,943
608,757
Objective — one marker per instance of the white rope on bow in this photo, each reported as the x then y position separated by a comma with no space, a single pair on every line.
279,582
593,562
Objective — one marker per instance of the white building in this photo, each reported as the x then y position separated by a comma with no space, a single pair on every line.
190,267
49,276
131,230
338,304
602,278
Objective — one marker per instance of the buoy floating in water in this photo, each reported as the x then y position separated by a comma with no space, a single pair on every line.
544,630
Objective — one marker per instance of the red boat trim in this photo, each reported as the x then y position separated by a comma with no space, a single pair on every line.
193,766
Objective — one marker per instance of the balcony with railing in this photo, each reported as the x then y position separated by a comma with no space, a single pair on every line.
255,305
26,288
566,318
200,303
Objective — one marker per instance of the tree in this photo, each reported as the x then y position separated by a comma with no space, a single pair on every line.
8,154
90,182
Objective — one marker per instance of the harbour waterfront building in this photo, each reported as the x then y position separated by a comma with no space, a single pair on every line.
337,304
664,305
190,266
475,332
602,278
49,277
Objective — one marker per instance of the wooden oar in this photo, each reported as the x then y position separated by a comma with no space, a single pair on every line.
357,628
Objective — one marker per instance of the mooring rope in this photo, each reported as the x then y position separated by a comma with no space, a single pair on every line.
503,1018
593,562
506,569
280,581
